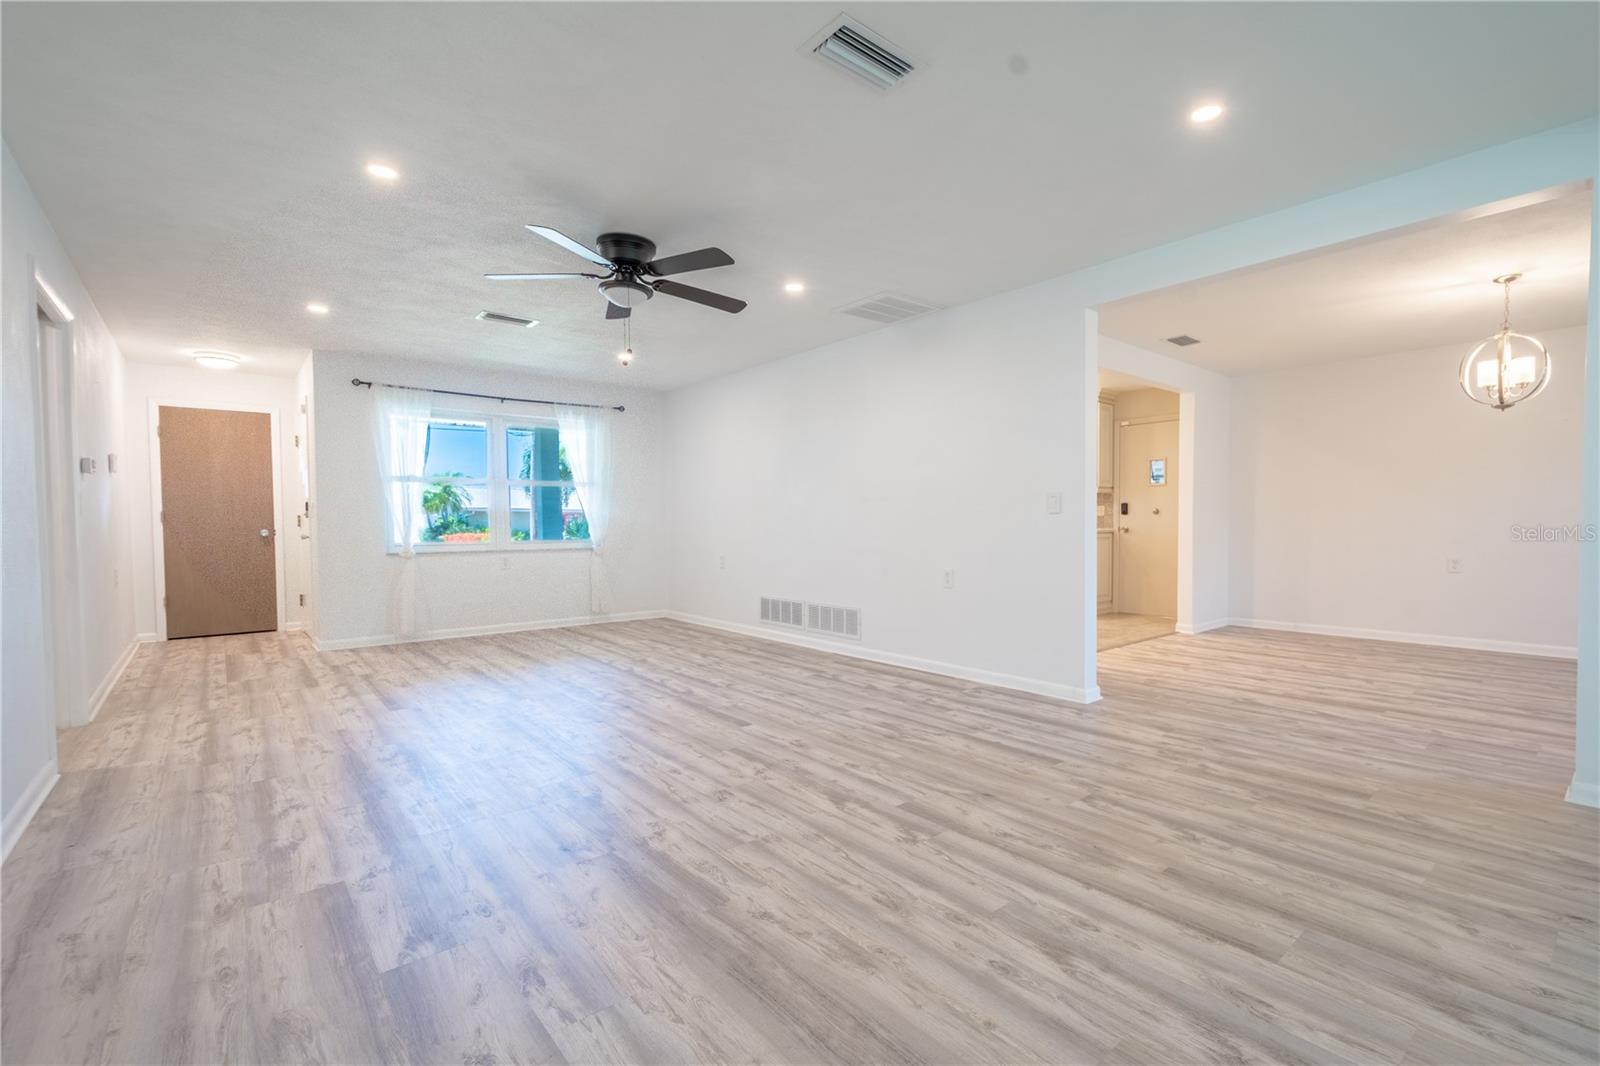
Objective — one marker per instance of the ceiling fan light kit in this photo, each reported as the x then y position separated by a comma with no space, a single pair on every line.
1507,367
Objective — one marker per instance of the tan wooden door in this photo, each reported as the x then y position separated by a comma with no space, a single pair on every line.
217,521
1147,548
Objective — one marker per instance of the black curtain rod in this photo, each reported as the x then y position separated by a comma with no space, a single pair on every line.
485,396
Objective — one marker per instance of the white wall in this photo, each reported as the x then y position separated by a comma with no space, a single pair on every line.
1586,771
858,473
466,591
27,720
1354,481
1143,403
848,450
190,386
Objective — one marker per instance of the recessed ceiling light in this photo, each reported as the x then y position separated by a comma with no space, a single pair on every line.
383,171
1206,113
316,308
794,287
213,360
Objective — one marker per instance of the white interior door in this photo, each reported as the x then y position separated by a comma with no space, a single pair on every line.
1147,536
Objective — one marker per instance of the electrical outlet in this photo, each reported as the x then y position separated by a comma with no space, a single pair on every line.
1052,503
722,562
949,579
1452,565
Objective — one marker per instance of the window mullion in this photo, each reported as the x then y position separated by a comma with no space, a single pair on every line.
499,496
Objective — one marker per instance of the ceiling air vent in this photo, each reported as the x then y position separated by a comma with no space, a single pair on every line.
889,307
507,320
783,612
1183,340
851,46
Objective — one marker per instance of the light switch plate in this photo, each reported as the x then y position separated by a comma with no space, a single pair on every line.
85,465
1052,503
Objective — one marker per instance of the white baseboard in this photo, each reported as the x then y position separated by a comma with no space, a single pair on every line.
344,643
910,662
109,682
146,638
292,627
1189,629
27,805
1584,793
1549,651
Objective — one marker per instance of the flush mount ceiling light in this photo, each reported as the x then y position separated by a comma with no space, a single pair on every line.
1206,113
317,308
1507,367
214,360
794,288
382,171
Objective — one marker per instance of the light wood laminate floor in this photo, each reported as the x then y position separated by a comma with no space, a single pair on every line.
1116,630
650,842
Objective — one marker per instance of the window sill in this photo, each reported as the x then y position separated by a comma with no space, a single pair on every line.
488,549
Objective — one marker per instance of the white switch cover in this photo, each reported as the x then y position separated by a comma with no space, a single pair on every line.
949,579
1452,565
1052,503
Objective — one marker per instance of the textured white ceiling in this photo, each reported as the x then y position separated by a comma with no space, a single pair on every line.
203,162
1413,290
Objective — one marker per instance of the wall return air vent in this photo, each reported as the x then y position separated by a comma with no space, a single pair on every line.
1183,340
835,621
783,612
852,47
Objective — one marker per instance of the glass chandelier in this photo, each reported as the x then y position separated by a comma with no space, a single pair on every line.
1508,367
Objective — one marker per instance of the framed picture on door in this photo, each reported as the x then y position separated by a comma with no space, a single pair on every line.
1158,471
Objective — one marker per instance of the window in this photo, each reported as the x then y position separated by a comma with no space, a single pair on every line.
492,482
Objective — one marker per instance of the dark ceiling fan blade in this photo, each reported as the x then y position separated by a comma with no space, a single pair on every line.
537,277
700,296
613,311
557,237
704,259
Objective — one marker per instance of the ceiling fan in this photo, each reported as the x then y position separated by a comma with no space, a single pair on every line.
633,273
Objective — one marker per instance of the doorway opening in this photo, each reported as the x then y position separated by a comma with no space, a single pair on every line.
1137,511
57,507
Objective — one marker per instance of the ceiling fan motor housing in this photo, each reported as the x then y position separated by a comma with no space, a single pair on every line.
629,252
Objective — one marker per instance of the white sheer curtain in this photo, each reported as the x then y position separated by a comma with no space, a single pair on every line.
400,435
586,436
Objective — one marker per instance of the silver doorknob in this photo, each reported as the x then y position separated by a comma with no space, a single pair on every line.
266,532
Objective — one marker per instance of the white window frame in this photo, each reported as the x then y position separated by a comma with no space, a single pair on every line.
499,486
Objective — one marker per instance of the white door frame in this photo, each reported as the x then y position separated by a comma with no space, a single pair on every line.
56,440
158,541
